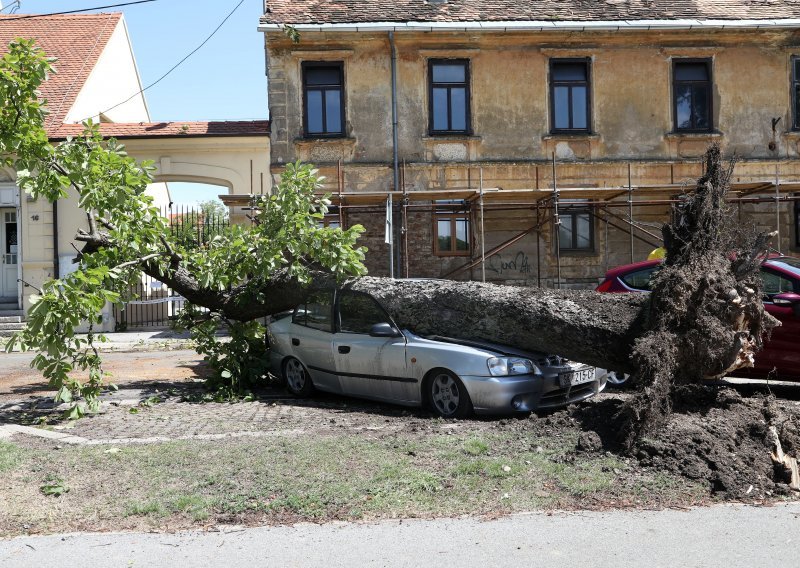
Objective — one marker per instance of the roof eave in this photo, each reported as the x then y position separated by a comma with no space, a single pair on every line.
543,25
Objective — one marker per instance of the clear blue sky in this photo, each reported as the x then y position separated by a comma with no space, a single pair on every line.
224,80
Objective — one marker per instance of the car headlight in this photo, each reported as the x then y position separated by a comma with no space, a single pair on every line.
505,366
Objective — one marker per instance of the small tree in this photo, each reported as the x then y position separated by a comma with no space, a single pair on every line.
125,236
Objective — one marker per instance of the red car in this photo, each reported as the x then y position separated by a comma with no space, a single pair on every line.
780,358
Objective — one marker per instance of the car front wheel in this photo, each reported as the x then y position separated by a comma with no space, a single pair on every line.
618,380
447,396
297,380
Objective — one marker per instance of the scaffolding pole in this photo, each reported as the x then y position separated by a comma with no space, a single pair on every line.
557,225
404,221
389,238
483,233
538,246
630,207
778,205
340,183
605,218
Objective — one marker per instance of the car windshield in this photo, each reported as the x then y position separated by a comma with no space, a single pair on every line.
791,265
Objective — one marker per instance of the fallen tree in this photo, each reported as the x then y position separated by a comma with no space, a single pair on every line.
703,318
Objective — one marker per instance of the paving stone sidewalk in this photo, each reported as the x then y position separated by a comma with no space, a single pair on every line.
137,416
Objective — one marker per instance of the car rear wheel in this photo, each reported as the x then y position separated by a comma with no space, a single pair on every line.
447,396
297,380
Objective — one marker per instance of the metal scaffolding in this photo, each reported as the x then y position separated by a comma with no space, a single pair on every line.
545,202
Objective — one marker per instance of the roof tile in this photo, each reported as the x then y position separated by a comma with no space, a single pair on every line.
76,41
365,11
171,129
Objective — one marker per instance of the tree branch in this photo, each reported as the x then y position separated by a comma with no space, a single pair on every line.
174,256
136,261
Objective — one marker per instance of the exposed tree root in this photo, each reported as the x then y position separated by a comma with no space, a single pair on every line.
705,315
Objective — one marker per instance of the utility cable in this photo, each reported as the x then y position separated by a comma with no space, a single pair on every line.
13,7
29,16
178,64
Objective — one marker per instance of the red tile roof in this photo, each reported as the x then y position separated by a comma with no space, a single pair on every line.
76,41
171,129
365,11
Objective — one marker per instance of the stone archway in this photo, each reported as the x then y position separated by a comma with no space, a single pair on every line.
233,154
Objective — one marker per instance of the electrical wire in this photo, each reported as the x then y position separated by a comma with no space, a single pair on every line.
29,16
178,64
13,7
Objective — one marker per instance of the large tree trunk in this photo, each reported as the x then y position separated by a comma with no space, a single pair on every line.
585,326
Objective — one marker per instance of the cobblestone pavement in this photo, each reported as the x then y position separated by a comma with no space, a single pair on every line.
158,410
175,419
161,399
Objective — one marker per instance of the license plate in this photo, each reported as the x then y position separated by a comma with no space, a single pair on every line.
571,378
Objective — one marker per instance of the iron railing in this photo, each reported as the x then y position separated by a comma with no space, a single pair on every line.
155,305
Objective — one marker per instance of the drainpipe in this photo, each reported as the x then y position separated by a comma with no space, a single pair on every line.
395,158
56,270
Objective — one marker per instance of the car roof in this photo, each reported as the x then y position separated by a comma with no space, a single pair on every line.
788,265
626,268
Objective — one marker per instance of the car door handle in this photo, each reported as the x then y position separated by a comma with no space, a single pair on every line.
295,341
344,349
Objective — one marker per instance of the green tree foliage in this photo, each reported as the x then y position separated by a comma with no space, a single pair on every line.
125,236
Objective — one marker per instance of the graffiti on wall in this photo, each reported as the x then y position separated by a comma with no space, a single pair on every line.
509,264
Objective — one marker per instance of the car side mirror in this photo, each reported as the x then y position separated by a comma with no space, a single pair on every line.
384,330
786,299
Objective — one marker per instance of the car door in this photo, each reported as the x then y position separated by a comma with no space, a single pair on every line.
371,367
782,351
310,336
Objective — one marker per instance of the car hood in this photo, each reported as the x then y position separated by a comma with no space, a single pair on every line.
488,346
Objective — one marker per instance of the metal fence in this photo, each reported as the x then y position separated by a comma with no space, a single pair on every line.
155,304
195,227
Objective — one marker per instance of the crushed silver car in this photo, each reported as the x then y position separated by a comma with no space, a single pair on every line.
344,342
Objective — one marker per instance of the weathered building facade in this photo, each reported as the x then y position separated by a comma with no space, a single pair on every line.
533,142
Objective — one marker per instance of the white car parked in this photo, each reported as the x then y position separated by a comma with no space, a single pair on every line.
345,342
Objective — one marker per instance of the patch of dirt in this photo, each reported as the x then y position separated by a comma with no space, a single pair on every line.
722,438
18,380
714,436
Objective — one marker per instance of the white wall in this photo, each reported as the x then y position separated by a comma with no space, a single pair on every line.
113,79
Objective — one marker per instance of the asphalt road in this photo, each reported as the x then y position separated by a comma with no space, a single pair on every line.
723,536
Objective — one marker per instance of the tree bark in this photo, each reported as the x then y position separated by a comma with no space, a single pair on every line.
586,326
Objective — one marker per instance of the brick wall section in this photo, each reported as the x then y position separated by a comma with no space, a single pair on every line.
423,263
532,261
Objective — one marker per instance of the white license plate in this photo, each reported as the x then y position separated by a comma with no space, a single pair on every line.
577,377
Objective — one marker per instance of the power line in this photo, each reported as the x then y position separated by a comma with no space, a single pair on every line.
13,7
195,50
29,16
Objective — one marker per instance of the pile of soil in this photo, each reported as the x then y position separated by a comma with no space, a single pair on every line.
714,435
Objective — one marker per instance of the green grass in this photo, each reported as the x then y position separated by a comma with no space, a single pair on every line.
476,447
10,456
347,477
